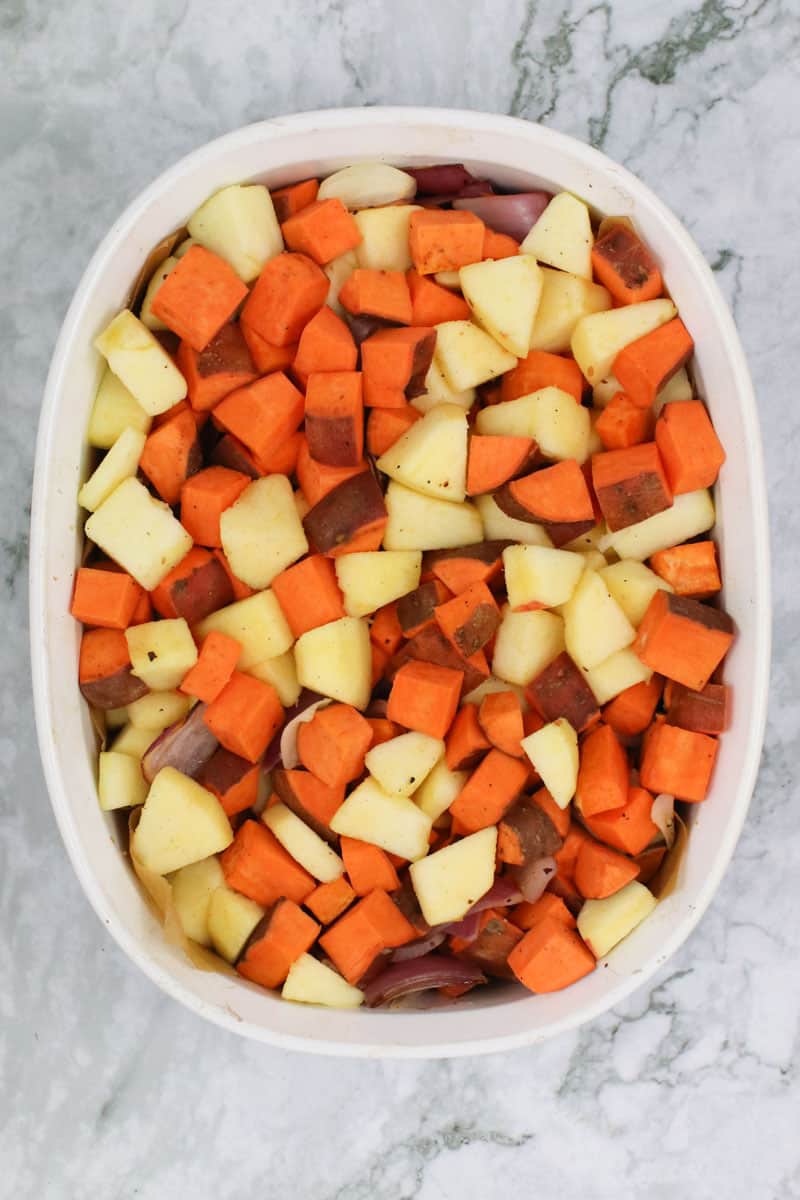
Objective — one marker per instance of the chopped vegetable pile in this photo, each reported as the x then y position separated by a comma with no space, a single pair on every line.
398,599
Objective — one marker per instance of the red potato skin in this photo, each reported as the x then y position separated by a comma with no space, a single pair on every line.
417,607
561,691
202,592
700,712
526,834
115,691
632,500
230,452
485,552
430,645
477,630
345,511
333,440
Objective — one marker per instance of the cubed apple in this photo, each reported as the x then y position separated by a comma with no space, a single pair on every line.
231,919
597,339
616,673
402,764
633,586
281,672
448,882
133,741
157,710
120,782
113,411
257,623
565,300
678,388
161,652
192,889
305,846
384,237
136,356
504,297
691,513
498,525
368,185
540,575
181,823
492,684
439,789
594,624
336,661
468,355
562,236
604,923
431,457
120,463
239,224
139,532
261,532
560,427
338,270
146,314
311,982
394,823
438,391
418,522
526,642
553,751
371,578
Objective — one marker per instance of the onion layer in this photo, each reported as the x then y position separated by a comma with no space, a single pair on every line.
420,975
187,746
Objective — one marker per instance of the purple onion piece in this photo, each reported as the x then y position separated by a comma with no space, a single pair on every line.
534,877
187,746
467,929
502,894
445,179
420,975
514,215
272,757
421,946
478,187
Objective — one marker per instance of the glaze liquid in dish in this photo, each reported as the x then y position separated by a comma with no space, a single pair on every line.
398,592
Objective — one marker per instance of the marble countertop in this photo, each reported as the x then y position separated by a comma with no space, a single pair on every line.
109,1089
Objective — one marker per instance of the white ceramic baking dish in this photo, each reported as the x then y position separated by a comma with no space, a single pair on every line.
516,154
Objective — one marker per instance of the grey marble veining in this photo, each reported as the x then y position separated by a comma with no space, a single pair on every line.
692,1087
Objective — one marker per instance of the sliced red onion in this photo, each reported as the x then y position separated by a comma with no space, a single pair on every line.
421,946
534,877
467,929
362,326
420,975
514,214
662,814
187,746
288,743
502,894
478,187
445,179
272,758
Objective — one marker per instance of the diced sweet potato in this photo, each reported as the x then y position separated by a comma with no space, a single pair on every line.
353,508
526,834
560,690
